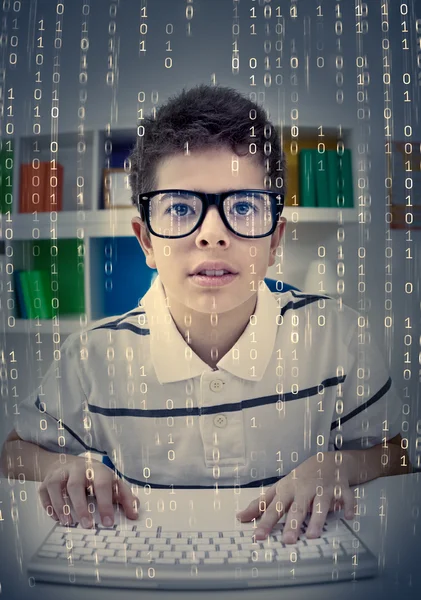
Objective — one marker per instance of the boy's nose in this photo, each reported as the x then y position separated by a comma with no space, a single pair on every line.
213,228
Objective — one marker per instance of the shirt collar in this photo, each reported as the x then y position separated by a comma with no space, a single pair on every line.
247,359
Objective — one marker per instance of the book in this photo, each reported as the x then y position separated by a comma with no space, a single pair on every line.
40,291
32,185
26,294
332,176
6,177
322,187
41,189
345,172
21,312
307,178
53,192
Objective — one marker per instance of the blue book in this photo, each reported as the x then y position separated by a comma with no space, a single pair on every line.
22,312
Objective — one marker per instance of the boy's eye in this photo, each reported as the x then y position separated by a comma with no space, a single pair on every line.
179,209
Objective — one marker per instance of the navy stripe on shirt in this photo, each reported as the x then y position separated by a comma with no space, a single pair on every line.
209,410
359,409
72,433
119,323
251,484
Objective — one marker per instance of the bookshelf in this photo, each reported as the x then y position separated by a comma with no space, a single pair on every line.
97,251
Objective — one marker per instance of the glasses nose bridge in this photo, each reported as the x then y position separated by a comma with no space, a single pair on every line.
212,200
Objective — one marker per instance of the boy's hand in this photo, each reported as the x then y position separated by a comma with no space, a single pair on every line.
300,493
72,480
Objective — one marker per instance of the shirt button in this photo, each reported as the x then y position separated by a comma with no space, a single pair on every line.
220,421
216,385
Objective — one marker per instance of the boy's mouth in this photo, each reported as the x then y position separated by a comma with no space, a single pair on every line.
214,269
214,273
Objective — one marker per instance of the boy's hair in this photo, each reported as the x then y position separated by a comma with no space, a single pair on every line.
206,117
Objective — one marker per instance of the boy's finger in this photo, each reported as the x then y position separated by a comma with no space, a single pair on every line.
104,498
128,501
348,498
55,491
77,493
295,518
317,519
258,505
46,503
270,518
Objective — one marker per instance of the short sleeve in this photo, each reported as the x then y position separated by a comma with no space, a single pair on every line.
54,416
369,397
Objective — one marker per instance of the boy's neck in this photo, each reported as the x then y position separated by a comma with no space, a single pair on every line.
202,336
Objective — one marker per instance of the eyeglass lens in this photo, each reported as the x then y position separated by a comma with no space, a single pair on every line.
177,213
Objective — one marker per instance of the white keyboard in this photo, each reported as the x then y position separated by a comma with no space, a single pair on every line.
127,555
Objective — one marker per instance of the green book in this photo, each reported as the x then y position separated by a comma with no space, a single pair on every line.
322,187
332,176
345,168
6,176
39,282
307,178
27,296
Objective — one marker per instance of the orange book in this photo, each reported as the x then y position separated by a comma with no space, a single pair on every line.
32,185
53,193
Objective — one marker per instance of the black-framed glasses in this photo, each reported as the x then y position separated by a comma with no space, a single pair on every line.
176,213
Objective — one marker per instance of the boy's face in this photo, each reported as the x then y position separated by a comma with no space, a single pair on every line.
175,259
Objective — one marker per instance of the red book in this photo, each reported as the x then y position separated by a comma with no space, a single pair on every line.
53,193
32,184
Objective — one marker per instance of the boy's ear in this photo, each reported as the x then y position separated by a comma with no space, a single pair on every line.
143,237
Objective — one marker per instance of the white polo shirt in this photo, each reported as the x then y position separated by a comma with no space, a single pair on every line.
302,378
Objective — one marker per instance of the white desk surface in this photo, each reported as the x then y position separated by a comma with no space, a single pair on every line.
395,538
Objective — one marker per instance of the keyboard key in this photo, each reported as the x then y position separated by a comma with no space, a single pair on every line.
239,560
82,551
230,547
165,561
117,546
188,561
249,546
315,541
217,554
91,558
92,544
74,536
56,538
205,547
213,561
185,547
309,551
141,560
150,553
48,554
240,553
94,538
105,552
115,559
199,554
224,541
139,547
52,548
172,553
327,551
126,553
129,534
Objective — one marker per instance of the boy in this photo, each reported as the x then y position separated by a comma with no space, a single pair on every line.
213,379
